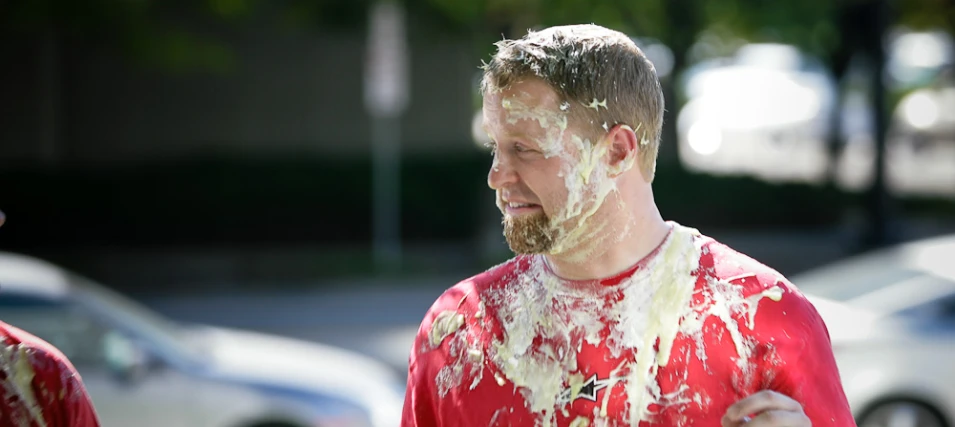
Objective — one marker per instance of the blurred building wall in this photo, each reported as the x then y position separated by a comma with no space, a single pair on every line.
286,92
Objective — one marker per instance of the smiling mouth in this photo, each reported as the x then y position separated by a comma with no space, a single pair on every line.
517,208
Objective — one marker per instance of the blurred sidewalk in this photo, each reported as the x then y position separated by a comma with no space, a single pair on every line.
379,320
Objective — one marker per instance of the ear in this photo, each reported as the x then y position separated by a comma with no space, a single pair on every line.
622,149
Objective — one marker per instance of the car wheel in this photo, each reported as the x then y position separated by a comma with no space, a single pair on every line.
902,414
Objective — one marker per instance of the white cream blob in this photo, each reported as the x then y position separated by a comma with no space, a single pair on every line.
444,324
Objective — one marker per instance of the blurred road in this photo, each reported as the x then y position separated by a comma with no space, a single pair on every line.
379,317
378,321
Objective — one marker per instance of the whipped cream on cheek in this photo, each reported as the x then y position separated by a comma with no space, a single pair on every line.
588,184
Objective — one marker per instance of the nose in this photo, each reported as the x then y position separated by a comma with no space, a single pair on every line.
501,174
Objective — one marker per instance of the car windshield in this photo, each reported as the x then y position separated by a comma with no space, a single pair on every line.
892,280
167,336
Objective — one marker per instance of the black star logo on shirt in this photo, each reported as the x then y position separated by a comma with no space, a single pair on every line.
587,391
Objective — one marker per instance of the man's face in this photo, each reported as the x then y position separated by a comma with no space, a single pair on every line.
536,157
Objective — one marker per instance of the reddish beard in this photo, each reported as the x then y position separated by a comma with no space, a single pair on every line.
529,233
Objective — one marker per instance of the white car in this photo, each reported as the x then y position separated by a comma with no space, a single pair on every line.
764,112
891,315
146,371
923,140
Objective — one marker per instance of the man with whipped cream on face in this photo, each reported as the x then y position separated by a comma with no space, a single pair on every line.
608,315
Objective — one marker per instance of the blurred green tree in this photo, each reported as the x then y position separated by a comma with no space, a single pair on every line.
170,35
155,32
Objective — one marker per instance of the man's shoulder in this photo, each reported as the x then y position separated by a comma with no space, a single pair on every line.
724,263
43,355
51,368
472,288
755,282
57,386
459,307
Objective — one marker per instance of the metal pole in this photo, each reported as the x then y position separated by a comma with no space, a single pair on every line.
386,188
386,96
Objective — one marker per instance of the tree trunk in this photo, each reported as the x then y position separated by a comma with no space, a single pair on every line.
878,200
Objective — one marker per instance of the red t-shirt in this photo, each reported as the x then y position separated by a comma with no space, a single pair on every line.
40,387
674,341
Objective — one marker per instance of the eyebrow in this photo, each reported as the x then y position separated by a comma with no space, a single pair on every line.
519,135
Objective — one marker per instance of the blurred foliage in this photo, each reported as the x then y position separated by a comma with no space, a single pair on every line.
155,32
810,24
172,35
925,14
140,30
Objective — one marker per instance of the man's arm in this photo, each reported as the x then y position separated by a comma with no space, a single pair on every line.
419,408
426,359
57,388
804,366
76,405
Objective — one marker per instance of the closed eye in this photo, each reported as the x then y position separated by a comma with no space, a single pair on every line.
523,149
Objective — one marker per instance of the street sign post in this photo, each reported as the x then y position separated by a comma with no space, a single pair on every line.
386,97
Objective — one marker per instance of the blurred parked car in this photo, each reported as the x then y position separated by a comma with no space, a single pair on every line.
891,315
766,111
922,136
763,112
144,370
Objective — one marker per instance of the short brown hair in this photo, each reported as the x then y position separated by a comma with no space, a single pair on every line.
593,66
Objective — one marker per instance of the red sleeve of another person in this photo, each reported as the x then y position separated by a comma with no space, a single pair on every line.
57,388
804,366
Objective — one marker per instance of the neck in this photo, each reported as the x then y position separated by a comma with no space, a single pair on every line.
623,244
